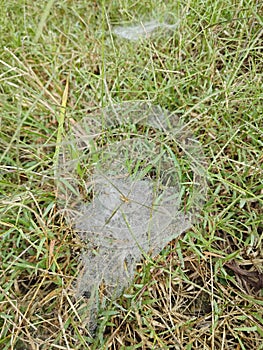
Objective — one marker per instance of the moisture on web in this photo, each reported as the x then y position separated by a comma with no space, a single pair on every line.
142,30
131,179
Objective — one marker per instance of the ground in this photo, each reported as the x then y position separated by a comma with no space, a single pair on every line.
60,61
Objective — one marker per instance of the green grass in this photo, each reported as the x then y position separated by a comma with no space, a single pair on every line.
210,72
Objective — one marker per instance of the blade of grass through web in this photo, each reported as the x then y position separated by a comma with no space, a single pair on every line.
60,131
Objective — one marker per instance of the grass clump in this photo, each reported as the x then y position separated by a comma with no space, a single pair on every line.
205,289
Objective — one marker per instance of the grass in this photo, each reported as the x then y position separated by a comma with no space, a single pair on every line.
204,290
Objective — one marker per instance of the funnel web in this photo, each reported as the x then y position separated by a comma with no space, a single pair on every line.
143,30
131,179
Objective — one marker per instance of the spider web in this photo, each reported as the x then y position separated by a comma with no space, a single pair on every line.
131,179
143,30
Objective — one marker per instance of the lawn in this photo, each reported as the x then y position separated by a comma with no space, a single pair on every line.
61,61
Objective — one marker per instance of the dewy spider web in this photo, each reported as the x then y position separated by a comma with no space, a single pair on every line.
143,30
131,179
